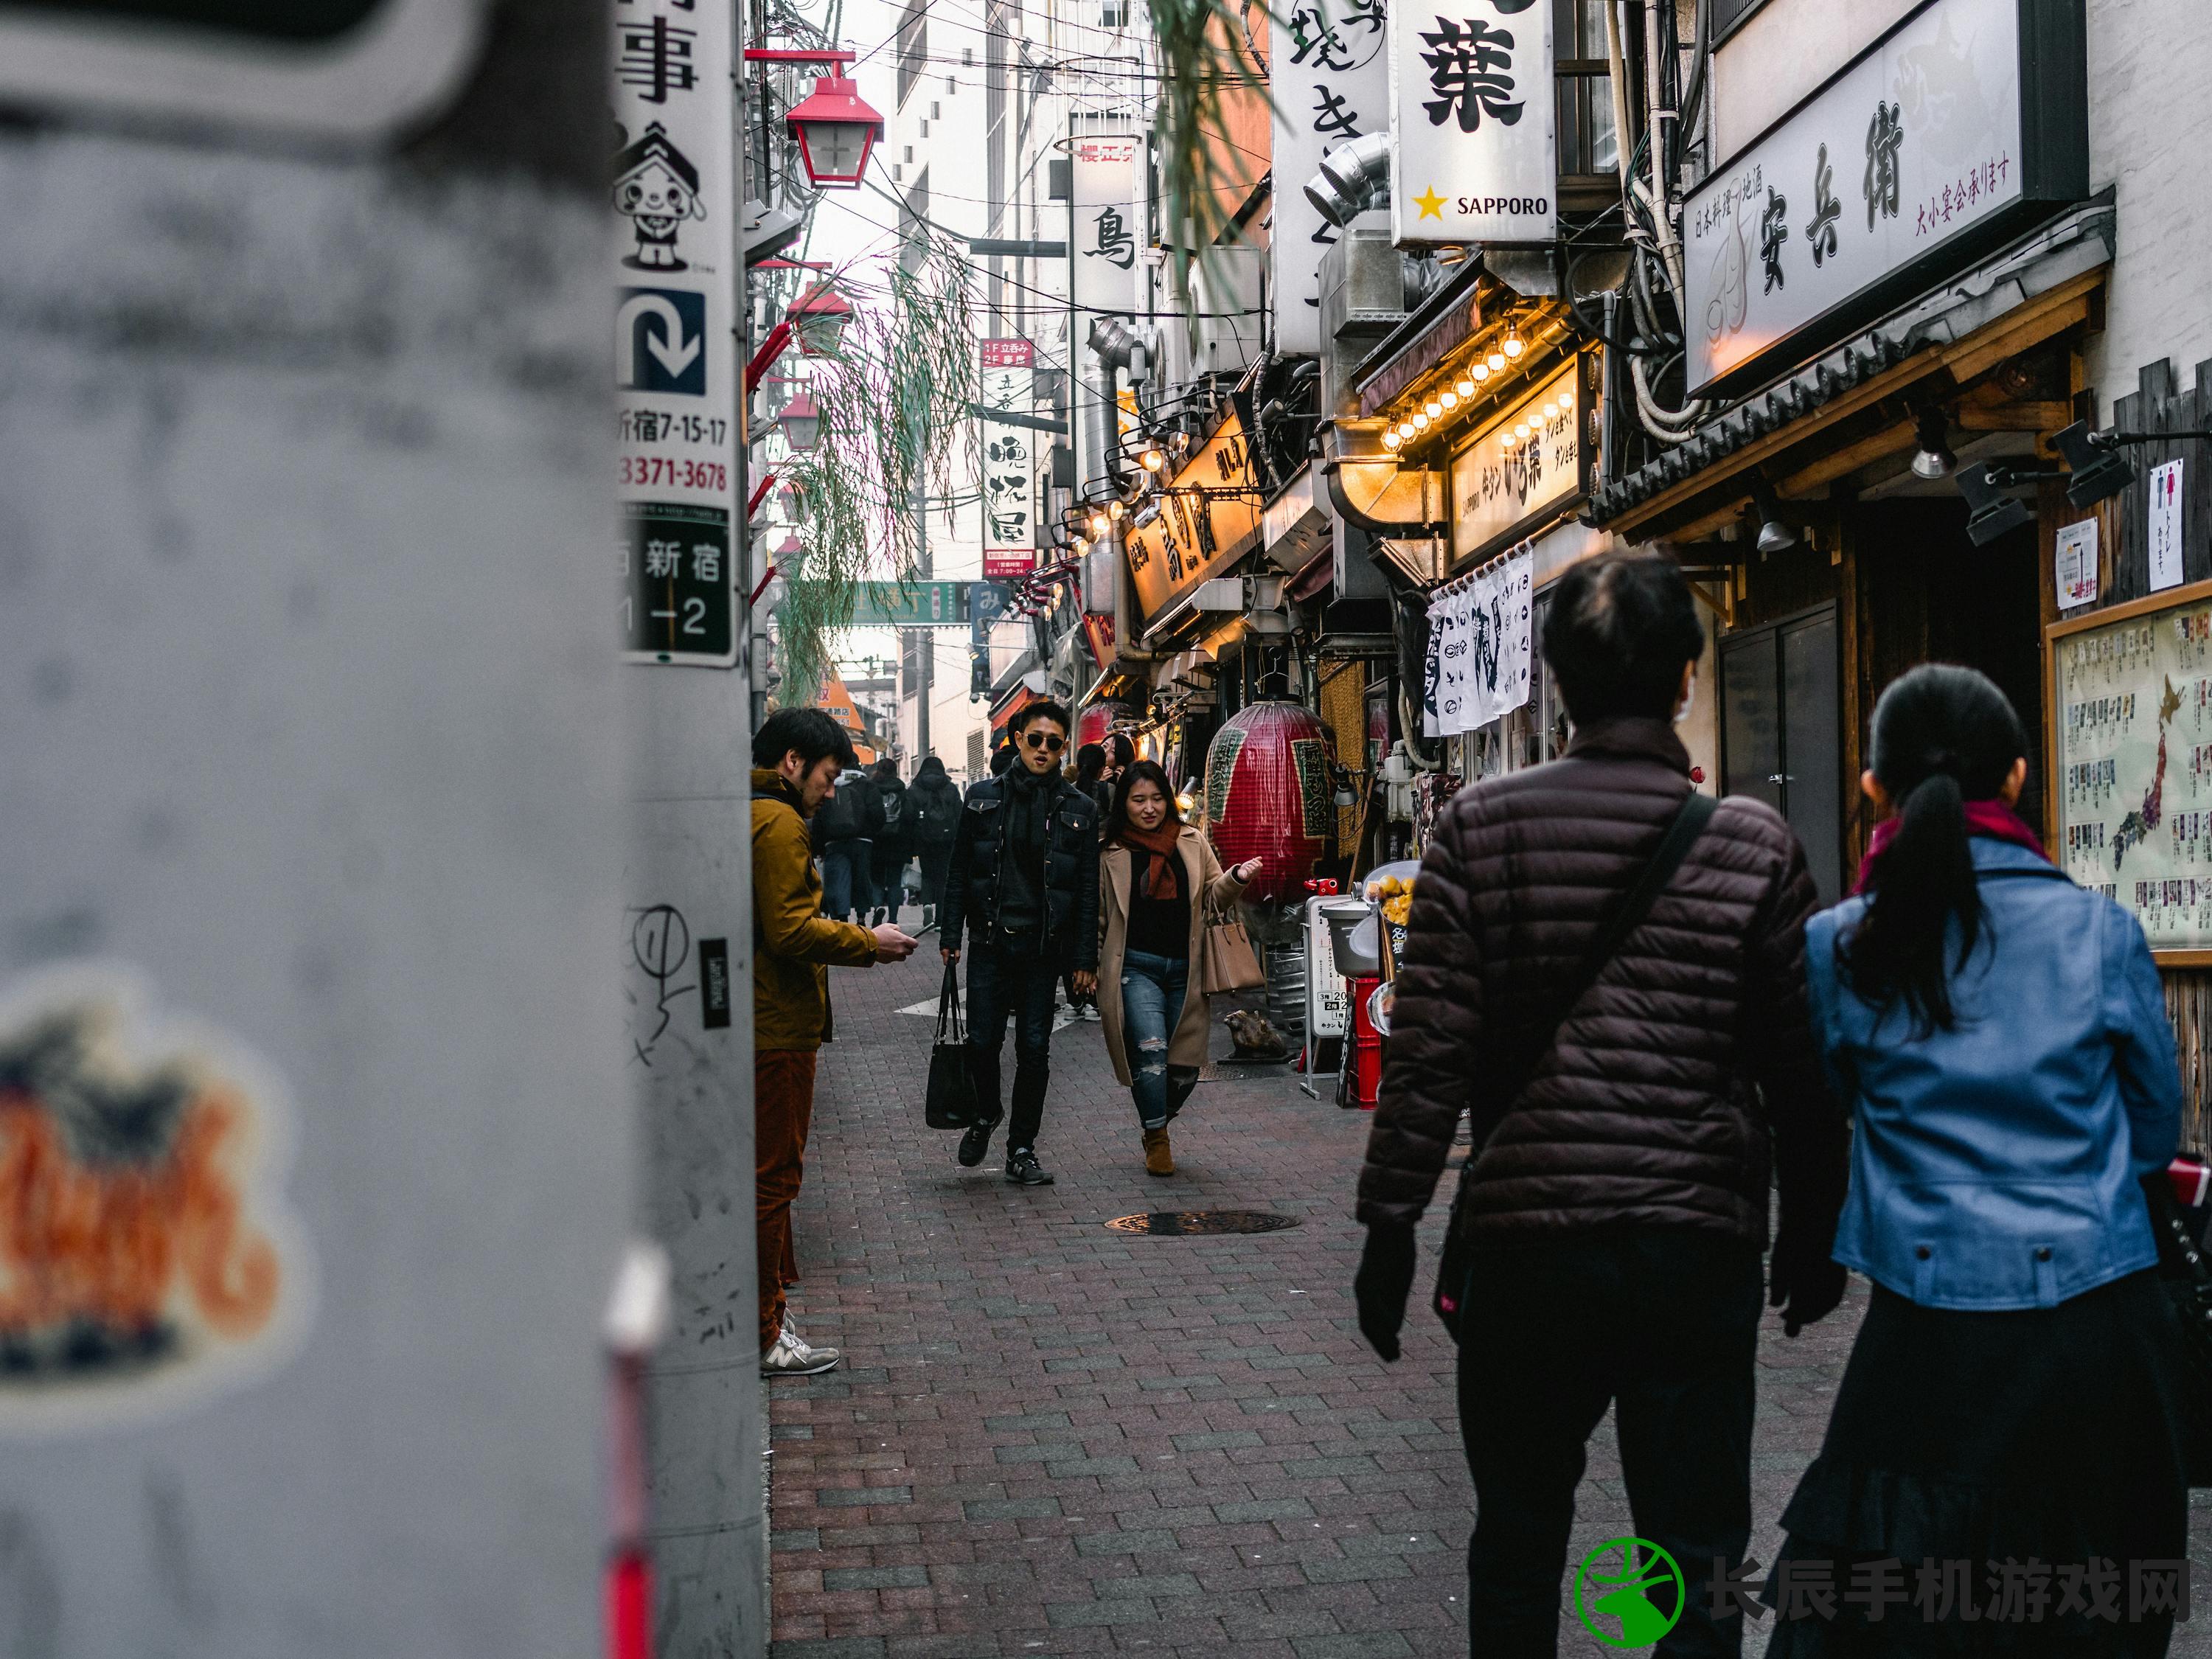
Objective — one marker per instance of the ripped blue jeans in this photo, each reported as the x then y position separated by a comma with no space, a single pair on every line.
1151,1006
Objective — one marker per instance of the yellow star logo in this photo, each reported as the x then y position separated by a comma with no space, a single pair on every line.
1430,204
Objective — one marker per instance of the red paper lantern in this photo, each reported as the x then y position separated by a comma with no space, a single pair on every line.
1268,795
1092,725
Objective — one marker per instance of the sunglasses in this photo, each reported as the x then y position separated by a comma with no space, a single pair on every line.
1044,740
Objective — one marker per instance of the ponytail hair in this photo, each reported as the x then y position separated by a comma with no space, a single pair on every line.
1943,735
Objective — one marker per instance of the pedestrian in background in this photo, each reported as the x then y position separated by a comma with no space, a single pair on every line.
933,806
844,834
1155,877
797,755
2002,1038
894,842
1090,779
1024,886
1613,1213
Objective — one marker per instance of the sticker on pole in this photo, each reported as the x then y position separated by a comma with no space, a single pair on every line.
148,1261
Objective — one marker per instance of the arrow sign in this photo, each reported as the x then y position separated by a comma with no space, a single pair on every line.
660,340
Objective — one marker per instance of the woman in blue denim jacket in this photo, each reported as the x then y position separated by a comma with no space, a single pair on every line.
2001,1035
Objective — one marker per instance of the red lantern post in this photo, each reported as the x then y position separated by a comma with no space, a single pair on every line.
1268,795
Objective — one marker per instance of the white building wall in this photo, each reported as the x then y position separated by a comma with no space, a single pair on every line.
2150,62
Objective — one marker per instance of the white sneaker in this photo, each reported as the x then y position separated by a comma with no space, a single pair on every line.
791,1356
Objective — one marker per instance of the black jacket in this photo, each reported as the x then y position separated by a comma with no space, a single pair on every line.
932,808
1071,873
1644,1113
855,812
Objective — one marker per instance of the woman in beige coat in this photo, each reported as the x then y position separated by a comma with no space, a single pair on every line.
1150,1005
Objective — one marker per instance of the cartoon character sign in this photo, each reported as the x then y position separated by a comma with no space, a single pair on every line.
146,1253
657,189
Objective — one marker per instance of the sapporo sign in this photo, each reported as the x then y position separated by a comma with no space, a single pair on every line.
1930,147
674,372
1524,466
1209,517
342,69
1475,121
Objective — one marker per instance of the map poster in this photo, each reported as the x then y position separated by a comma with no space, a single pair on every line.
2130,720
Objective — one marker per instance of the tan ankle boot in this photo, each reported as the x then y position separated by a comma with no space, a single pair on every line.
1158,1159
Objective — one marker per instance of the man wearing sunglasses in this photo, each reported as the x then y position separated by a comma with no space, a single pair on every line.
1024,882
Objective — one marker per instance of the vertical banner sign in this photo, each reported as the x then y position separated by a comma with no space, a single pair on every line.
1329,71
1104,226
2165,528
1006,380
674,377
1103,248
1475,121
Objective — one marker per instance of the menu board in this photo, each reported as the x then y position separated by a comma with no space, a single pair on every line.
2131,719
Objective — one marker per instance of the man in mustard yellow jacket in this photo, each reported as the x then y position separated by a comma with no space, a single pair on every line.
798,754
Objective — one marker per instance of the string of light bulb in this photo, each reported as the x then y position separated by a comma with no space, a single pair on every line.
1473,378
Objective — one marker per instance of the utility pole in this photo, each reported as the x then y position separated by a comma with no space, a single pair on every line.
686,930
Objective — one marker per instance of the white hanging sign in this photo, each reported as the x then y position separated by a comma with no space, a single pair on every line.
675,304
1006,376
2165,538
1482,646
1328,70
1475,121
1103,249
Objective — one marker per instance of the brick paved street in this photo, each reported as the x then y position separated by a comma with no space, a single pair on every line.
1049,1438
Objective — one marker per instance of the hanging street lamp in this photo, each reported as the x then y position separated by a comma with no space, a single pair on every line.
801,422
836,129
819,317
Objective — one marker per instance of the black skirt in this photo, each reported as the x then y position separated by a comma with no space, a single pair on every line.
2009,1464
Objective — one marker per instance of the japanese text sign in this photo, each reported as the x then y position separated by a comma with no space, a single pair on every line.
1330,75
1007,380
1914,146
1527,463
1208,518
1475,121
675,384
1107,225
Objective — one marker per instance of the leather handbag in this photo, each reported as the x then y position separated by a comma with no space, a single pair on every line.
951,1102
1226,961
1688,824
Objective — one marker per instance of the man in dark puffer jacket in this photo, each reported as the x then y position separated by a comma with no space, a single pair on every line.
1616,1201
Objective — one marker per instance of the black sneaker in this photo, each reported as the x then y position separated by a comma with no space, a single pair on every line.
976,1143
1024,1171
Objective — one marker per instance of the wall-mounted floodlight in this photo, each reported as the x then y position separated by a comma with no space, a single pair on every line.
2094,461
1996,511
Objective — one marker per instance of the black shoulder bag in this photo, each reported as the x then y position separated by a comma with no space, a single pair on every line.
1688,824
950,1102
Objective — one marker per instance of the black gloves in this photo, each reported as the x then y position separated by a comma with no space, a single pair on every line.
1384,1282
1802,1281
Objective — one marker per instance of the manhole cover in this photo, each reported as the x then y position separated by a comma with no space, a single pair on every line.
1198,1224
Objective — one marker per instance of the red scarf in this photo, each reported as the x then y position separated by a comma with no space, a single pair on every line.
1161,843
1984,817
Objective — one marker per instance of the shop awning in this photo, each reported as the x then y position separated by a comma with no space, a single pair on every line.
1015,700
1847,410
